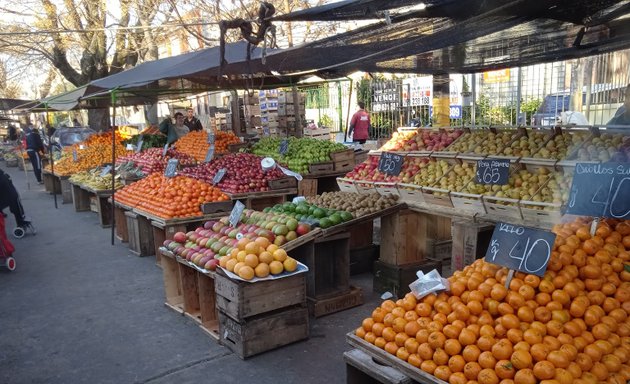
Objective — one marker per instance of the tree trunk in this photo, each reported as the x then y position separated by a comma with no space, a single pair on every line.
98,119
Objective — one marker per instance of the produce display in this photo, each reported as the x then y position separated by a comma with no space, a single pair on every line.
606,147
217,239
312,214
244,173
129,171
148,140
97,150
195,144
570,326
561,146
301,152
151,160
356,204
168,198
92,179
422,140
368,170
526,145
483,142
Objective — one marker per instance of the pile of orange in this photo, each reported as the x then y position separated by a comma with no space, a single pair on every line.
571,326
196,144
97,150
165,197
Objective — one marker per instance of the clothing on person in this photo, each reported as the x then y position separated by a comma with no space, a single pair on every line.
172,131
360,125
193,124
35,146
622,117
13,136
9,197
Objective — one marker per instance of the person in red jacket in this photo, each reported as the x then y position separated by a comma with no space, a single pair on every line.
360,124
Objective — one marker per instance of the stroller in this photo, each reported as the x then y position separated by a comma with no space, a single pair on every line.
10,198
6,248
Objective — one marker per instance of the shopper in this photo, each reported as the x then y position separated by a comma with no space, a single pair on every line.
192,122
9,197
174,131
360,124
35,147
13,135
622,116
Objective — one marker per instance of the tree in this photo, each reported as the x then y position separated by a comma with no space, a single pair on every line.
84,40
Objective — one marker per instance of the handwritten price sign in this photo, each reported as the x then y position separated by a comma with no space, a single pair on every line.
520,248
601,190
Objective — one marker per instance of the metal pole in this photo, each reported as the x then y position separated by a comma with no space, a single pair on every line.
52,159
345,136
113,94
473,113
519,90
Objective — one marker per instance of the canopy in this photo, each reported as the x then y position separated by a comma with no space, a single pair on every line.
348,10
9,104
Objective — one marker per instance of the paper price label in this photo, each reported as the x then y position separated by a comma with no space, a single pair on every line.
171,168
235,215
165,149
106,171
219,176
209,154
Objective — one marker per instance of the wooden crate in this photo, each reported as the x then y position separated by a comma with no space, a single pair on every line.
285,182
51,183
337,303
406,236
344,155
93,204
208,313
321,168
396,278
122,232
241,300
80,198
362,368
172,282
362,259
66,190
162,233
470,242
104,210
261,200
361,234
307,187
255,335
140,234
344,165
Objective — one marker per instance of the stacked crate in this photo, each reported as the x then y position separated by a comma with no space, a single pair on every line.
251,112
291,112
222,122
269,112
257,317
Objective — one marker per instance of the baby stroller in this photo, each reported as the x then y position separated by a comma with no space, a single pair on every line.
6,248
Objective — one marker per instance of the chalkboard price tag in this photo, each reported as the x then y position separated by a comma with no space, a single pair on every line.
211,137
171,168
165,149
600,190
235,215
521,248
390,163
209,154
75,155
493,171
105,171
266,131
284,147
219,176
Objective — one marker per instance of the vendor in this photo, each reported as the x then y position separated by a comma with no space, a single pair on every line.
622,116
192,122
174,131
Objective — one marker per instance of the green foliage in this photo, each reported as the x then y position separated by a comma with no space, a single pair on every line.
326,121
529,107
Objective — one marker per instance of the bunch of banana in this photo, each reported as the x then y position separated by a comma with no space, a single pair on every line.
93,180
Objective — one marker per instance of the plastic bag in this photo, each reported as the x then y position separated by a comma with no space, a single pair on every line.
429,283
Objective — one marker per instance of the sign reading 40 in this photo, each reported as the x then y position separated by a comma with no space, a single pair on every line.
600,190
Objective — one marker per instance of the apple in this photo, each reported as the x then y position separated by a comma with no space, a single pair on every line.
179,237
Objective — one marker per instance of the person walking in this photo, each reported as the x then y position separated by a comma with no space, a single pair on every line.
35,146
192,122
9,197
360,124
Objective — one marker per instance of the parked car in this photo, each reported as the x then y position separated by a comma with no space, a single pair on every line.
65,137
552,106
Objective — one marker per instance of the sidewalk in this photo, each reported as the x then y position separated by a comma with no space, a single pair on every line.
79,310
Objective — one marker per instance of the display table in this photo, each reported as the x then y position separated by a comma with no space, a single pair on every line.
82,196
260,200
52,183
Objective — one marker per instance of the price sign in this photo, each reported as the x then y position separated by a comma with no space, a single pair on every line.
209,154
210,137
81,146
218,176
600,190
171,168
266,131
284,147
106,171
390,163
235,215
165,149
75,155
521,248
139,144
493,171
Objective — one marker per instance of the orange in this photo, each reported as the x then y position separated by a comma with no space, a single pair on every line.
488,376
521,359
487,360
504,369
456,363
428,366
544,370
442,372
471,370
502,350
525,376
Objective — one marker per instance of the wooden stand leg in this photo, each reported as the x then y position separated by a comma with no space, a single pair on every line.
122,233
104,211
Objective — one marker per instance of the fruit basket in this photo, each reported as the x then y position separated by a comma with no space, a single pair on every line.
364,186
562,145
433,192
602,146
525,144
422,140
483,142
346,185
549,200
